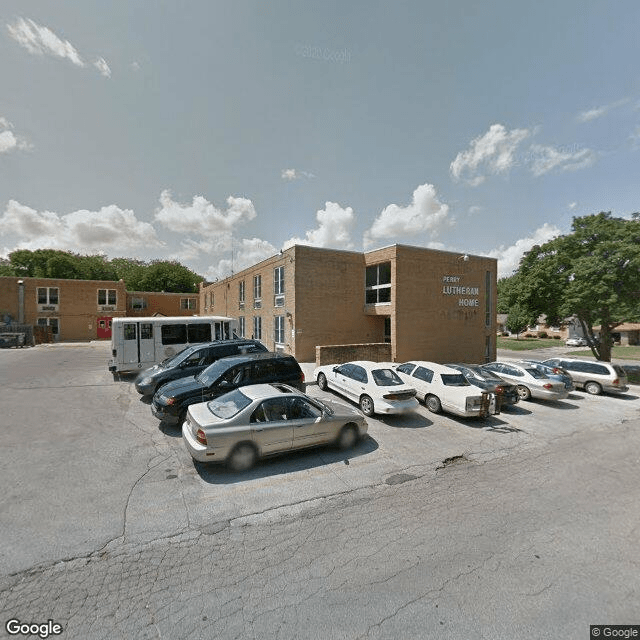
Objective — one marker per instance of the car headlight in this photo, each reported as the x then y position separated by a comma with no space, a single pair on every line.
146,381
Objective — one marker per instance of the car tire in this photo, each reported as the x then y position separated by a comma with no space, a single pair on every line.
242,458
593,388
433,403
523,392
348,437
367,406
322,381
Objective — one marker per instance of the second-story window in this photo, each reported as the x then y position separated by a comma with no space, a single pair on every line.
241,293
257,292
187,303
278,287
378,283
47,295
107,296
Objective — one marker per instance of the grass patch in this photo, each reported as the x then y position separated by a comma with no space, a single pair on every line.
621,353
527,344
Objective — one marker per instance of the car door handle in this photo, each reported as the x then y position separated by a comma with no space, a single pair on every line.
258,429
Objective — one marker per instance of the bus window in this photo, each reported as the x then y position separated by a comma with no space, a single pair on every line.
129,331
146,331
199,332
226,330
174,333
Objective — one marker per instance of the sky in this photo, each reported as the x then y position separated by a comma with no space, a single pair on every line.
219,133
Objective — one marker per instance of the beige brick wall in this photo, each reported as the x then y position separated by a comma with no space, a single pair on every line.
336,354
168,304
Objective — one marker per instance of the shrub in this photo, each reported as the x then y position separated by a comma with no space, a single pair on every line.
543,334
529,335
556,337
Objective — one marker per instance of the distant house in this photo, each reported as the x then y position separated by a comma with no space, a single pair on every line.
629,333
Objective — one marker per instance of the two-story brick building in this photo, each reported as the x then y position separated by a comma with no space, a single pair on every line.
427,304
83,309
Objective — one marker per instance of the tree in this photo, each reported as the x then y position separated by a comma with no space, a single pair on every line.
518,319
171,277
592,273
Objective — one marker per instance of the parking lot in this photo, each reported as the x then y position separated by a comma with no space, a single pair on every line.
85,464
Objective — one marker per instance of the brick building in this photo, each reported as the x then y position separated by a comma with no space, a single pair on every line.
83,309
426,304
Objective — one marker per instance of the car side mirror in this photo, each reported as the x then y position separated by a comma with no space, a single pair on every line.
334,369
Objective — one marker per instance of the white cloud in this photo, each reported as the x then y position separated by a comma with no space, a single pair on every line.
597,112
425,213
474,209
110,228
101,65
245,254
509,257
41,40
333,231
135,65
490,154
548,158
294,174
202,217
573,205
8,140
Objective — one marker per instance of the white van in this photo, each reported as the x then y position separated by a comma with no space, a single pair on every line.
138,343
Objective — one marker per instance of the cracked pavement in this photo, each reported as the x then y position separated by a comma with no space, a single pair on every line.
533,532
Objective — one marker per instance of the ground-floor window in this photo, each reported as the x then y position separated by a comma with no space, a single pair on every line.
241,326
387,329
54,323
257,328
278,329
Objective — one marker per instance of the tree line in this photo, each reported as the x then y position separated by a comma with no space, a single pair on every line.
156,275
592,274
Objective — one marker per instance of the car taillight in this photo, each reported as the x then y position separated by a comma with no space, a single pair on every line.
616,381
302,376
200,437
556,370
548,386
171,400
499,389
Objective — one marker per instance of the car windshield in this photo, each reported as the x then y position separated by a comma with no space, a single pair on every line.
229,405
535,373
172,361
386,378
454,380
212,372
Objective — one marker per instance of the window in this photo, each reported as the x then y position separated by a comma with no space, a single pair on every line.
54,323
47,295
487,299
187,303
173,333
359,373
199,332
278,329
257,292
241,293
107,296
138,303
423,374
278,281
257,327
241,326
130,331
378,284
146,331
407,368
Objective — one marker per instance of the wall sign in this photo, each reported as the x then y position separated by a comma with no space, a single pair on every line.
457,289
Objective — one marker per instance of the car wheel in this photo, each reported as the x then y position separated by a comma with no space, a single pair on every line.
524,392
433,403
322,381
593,388
242,458
366,406
348,437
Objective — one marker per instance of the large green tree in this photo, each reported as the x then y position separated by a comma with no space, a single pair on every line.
592,273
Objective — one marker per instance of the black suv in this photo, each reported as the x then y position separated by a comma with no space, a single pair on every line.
170,402
191,361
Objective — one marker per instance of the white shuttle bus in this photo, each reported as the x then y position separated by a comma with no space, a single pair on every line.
138,343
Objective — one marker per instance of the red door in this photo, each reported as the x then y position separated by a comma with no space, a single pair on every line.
103,328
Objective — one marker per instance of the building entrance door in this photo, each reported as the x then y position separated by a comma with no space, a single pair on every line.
103,327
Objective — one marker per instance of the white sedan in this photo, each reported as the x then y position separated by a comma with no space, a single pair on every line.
529,380
375,386
444,389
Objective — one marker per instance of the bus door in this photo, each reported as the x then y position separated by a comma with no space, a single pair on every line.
138,346
222,331
146,342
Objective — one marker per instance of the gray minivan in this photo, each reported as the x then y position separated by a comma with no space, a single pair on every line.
593,376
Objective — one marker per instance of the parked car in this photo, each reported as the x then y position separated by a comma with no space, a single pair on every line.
375,386
529,381
265,419
442,388
592,376
576,342
506,393
554,372
171,401
191,361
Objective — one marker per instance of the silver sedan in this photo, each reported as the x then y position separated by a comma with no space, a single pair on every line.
529,381
264,419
